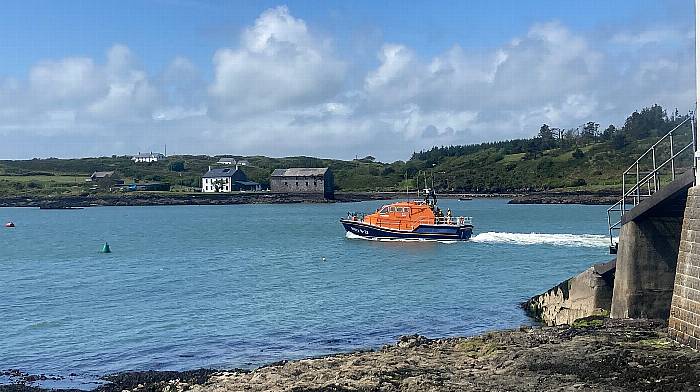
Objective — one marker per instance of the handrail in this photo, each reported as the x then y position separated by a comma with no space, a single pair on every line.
644,179
653,146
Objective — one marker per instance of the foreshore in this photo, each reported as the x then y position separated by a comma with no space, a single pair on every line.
169,199
591,355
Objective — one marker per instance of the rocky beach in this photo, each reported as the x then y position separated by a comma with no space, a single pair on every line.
591,355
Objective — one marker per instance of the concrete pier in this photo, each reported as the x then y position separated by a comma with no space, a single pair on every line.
586,294
646,267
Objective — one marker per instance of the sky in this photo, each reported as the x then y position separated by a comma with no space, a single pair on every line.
333,79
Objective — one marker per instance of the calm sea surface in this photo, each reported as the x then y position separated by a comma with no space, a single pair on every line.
240,286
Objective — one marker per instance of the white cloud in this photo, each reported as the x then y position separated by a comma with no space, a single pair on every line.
652,36
279,66
285,90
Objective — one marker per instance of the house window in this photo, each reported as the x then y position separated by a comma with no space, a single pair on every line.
285,183
297,183
314,183
307,183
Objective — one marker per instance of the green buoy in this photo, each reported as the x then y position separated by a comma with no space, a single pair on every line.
105,248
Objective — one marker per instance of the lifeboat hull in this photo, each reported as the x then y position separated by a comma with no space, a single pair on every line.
422,232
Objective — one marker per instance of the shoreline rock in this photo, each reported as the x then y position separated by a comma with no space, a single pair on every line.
159,199
602,354
585,198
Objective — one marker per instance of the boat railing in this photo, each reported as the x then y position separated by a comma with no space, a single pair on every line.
451,220
438,220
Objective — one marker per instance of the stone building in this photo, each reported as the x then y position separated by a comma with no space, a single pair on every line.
227,180
303,180
105,179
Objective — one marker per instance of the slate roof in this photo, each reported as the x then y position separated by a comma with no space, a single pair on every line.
300,172
247,183
102,174
220,172
227,160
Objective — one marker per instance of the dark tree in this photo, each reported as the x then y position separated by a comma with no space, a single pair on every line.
609,132
177,166
545,133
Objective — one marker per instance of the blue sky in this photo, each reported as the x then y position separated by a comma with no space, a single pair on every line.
331,78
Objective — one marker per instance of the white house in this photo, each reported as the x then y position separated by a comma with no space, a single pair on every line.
227,180
226,161
148,157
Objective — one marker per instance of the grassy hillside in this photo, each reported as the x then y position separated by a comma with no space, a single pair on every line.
580,158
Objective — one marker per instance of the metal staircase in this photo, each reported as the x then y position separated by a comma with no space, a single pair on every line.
647,176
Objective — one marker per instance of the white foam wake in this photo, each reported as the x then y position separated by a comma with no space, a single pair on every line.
574,240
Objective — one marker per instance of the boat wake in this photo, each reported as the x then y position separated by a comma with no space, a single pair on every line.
359,237
573,240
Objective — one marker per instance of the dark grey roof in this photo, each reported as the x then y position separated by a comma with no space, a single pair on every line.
102,174
230,160
300,172
220,172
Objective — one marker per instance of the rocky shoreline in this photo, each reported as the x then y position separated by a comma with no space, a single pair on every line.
160,199
591,355
586,198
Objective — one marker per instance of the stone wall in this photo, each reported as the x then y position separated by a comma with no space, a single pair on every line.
684,322
586,294
646,267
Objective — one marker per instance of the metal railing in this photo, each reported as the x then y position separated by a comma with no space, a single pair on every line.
646,182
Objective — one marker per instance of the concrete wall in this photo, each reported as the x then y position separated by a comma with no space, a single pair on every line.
646,267
587,294
684,322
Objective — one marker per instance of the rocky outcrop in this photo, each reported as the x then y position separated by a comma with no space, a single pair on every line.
586,294
610,355
588,198
595,355
168,199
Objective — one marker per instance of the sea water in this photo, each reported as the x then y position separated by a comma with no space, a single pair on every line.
243,285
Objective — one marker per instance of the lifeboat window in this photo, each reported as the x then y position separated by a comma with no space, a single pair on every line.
392,209
384,210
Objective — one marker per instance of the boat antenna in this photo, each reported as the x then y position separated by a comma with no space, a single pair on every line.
405,176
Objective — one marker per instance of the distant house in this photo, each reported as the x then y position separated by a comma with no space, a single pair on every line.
227,180
303,180
105,179
243,162
226,161
148,157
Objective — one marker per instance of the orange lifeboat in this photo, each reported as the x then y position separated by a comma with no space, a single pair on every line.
409,220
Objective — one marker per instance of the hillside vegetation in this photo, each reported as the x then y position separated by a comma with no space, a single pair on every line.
578,158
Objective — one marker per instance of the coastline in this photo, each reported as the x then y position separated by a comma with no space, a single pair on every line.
593,354
170,199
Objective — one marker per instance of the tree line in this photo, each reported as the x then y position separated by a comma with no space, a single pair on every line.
648,122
